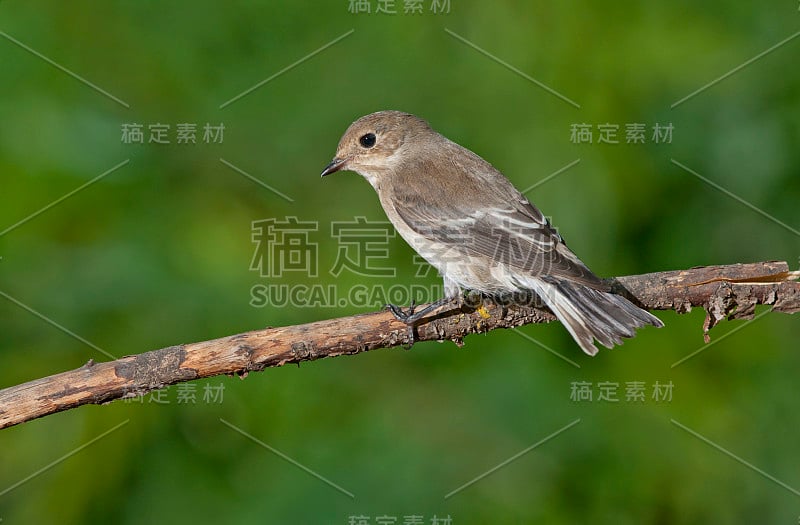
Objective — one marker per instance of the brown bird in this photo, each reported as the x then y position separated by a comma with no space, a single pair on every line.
482,235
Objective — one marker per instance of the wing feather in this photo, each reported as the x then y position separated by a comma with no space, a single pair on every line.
489,218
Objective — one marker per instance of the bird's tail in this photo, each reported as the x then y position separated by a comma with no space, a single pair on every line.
590,314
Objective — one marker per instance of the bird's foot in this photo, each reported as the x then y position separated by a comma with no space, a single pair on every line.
412,317
406,317
400,315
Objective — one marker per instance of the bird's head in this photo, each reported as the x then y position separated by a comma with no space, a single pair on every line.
373,145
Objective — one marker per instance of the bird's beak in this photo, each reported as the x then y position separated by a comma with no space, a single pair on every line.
335,165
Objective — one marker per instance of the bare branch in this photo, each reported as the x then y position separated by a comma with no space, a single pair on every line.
724,291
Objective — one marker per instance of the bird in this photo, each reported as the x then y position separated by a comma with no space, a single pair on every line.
468,221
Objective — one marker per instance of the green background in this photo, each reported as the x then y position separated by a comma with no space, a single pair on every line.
158,253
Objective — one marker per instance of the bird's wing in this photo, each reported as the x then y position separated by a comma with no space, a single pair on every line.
495,222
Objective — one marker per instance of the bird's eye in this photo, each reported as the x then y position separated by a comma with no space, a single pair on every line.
367,140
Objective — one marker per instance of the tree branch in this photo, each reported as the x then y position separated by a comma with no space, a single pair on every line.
724,291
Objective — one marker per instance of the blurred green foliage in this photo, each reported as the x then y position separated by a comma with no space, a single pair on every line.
159,252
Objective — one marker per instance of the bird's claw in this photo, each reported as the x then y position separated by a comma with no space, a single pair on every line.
405,317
